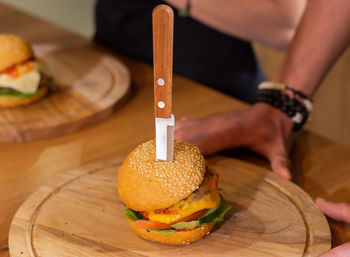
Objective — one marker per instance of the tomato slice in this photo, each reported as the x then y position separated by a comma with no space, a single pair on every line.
12,72
151,224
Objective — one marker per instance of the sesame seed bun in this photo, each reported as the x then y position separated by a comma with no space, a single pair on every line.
177,238
13,50
146,184
16,101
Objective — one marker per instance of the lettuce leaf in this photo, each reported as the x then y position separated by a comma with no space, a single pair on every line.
165,231
133,215
189,225
10,92
224,210
212,213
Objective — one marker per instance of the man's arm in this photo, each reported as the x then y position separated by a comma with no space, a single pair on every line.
323,34
321,37
270,22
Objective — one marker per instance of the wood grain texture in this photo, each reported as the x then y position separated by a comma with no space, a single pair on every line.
163,34
87,87
81,214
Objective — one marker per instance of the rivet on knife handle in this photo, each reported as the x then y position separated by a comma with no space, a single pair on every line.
163,26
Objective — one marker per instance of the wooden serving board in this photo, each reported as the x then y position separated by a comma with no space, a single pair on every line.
88,86
81,214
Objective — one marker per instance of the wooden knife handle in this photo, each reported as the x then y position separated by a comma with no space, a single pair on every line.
163,27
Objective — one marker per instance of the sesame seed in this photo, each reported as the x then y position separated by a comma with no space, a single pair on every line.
178,178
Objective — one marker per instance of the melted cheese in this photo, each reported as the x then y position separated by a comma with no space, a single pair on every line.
205,197
26,80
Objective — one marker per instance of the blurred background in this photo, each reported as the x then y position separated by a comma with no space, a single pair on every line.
331,116
76,15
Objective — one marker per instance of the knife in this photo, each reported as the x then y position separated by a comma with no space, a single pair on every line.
163,26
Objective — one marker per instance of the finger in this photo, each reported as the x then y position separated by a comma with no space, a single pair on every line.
211,134
274,146
340,251
337,211
280,164
182,134
184,118
190,130
181,123
185,122
276,153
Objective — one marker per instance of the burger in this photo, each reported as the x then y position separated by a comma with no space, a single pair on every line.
173,202
22,80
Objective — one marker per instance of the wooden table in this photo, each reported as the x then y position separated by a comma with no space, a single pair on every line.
322,167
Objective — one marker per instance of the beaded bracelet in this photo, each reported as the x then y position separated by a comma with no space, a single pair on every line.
298,107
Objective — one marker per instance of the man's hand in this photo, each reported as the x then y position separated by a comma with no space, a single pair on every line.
261,128
340,212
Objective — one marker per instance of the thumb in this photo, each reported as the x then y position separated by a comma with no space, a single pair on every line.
183,122
339,251
280,165
337,211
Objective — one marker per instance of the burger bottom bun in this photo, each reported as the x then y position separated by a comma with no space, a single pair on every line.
6,101
177,238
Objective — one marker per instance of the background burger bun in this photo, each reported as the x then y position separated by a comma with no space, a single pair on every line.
177,238
146,184
16,101
13,50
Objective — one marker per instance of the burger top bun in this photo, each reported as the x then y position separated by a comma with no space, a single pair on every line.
13,50
146,184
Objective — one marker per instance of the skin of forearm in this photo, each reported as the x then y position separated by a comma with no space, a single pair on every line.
270,22
322,36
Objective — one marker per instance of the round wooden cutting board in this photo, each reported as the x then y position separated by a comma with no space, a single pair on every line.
88,85
81,214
